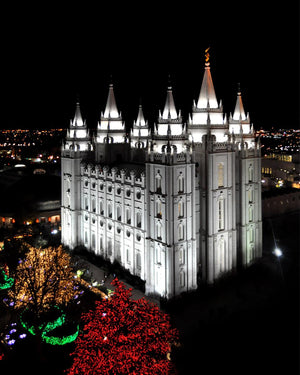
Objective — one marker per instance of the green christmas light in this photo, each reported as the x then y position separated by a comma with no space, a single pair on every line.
49,327
55,340
8,281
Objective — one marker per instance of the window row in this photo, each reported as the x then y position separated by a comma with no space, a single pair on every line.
158,183
118,190
158,209
180,231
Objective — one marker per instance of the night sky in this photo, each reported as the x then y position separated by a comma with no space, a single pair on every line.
50,54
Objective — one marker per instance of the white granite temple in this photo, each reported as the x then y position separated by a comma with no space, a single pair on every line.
177,205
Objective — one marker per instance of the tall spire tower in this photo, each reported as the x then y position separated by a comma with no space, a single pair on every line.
207,115
110,130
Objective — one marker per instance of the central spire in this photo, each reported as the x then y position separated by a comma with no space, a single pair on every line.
111,110
207,97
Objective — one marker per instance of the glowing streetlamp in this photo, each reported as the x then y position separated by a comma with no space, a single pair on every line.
277,252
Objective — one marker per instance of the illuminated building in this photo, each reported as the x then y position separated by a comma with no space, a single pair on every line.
176,206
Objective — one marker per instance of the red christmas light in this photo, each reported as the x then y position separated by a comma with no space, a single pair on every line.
123,336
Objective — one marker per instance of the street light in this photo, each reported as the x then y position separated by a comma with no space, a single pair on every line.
277,252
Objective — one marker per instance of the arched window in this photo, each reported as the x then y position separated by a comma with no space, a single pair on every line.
250,195
180,209
182,278
251,235
138,261
128,215
181,255
86,203
109,210
158,255
138,219
119,215
250,213
221,253
158,209
220,175
93,205
158,231
180,183
158,179
109,247
221,216
101,207
250,173
180,232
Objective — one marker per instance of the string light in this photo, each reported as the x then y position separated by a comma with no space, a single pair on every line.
45,278
124,336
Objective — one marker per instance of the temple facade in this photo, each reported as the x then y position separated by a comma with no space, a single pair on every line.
176,205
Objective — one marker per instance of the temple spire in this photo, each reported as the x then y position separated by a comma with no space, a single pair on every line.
169,109
111,110
77,121
239,112
140,121
207,97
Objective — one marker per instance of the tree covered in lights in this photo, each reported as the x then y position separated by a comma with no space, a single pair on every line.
43,279
123,336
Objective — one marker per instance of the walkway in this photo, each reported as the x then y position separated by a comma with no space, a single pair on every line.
99,275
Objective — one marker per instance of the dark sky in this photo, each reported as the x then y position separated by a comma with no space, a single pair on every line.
49,54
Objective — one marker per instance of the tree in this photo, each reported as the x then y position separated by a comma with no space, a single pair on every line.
43,279
123,336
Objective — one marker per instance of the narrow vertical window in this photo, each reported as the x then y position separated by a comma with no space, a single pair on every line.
93,205
138,219
221,251
180,183
109,247
86,204
250,173
138,261
221,217
158,231
158,255
181,255
158,209
109,211
251,235
128,216
180,209
182,278
250,195
180,232
101,207
93,241
250,213
220,174
158,183
119,217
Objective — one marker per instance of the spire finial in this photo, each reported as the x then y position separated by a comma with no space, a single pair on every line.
239,88
207,63
169,81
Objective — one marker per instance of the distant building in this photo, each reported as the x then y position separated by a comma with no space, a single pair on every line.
176,206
